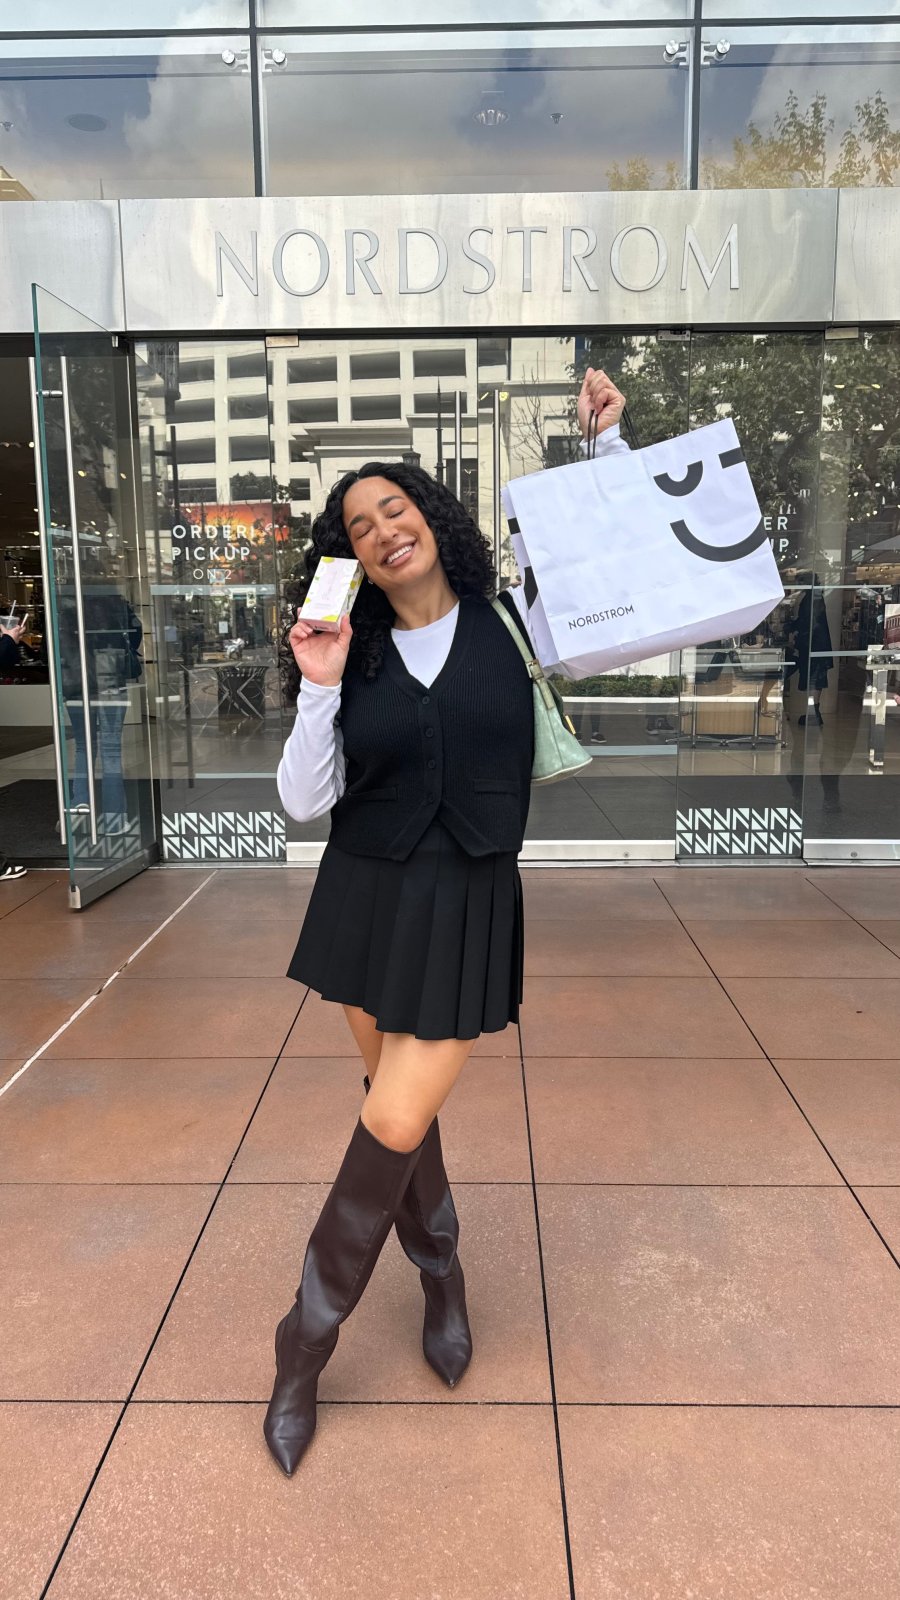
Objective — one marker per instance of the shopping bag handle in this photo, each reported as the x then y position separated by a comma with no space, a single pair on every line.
627,424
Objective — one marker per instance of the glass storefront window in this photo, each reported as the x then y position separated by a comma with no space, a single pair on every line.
851,748
740,761
101,119
859,495
771,385
802,107
215,538
740,770
359,13
763,747
472,113
52,16
748,10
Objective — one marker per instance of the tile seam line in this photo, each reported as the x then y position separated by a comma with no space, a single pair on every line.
560,1466
789,1091
102,989
820,889
488,1404
458,1183
124,1404
32,897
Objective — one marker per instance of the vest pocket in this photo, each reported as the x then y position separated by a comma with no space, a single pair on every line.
390,793
494,786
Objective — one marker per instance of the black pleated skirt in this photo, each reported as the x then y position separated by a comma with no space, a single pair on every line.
431,946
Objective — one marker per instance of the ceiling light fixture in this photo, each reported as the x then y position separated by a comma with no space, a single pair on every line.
491,116
492,113
86,122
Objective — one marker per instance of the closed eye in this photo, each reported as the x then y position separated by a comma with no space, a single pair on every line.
680,486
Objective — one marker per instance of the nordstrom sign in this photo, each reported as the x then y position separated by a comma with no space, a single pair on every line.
422,261
341,263
388,263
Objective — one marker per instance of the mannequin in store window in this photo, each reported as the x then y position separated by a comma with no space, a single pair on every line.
415,924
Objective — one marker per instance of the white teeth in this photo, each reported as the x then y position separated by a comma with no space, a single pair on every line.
401,552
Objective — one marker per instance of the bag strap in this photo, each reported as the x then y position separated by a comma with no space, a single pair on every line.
508,609
505,607
626,423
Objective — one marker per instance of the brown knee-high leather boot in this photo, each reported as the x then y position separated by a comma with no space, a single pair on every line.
428,1229
342,1251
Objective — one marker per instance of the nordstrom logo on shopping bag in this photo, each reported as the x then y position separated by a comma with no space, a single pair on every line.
601,616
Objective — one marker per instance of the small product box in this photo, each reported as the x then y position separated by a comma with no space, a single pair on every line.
332,592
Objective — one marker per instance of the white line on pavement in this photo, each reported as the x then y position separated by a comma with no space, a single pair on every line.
111,979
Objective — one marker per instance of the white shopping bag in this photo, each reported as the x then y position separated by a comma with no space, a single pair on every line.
633,555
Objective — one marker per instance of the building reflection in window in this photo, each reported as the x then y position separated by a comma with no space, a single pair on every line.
472,113
802,107
100,119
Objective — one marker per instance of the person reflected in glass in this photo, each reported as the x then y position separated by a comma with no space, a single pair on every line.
112,639
11,630
809,638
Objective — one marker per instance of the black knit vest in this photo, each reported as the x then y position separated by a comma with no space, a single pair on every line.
459,751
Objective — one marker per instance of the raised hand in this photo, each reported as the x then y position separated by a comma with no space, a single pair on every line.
321,657
599,394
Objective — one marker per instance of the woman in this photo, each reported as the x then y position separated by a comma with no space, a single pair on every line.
414,925
810,640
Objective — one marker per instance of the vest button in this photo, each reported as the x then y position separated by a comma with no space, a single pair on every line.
432,765
429,796
429,733
426,699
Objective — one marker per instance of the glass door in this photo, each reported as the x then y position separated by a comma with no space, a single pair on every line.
89,499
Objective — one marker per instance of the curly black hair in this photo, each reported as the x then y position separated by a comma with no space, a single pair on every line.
464,552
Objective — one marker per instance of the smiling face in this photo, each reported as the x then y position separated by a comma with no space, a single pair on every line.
389,534
693,477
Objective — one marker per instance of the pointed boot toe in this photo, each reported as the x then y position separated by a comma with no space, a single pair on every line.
287,1441
290,1420
446,1337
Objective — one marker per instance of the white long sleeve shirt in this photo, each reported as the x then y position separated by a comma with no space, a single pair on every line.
312,774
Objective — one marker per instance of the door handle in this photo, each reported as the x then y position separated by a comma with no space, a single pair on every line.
79,601
49,640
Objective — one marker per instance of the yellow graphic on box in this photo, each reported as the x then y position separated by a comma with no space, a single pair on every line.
331,594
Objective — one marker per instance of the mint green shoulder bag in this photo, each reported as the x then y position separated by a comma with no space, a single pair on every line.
557,753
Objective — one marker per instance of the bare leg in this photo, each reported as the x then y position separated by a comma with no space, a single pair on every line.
414,1079
368,1039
